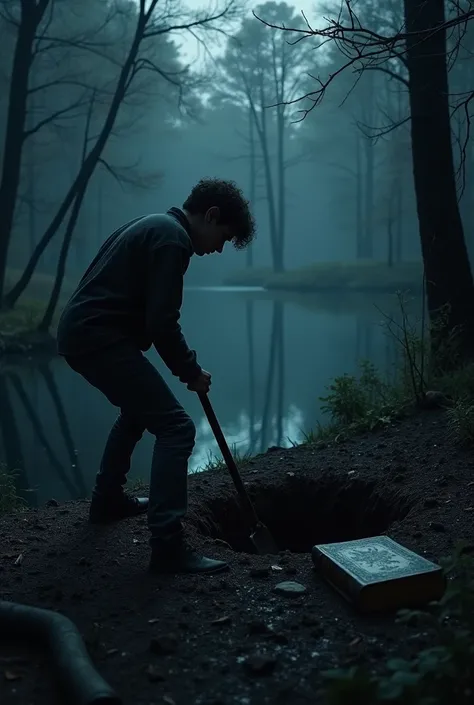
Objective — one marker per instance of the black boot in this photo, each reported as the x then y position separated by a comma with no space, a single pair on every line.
179,557
105,510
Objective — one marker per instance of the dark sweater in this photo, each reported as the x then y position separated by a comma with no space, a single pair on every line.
133,291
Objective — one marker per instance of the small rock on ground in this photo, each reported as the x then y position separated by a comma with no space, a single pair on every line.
290,588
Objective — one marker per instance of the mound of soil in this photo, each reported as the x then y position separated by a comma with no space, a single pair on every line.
231,639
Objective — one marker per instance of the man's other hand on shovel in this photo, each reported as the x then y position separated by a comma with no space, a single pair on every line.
201,384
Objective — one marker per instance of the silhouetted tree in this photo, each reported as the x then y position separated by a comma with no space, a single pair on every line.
126,36
263,72
423,46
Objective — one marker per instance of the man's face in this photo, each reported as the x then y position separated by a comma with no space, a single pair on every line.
210,236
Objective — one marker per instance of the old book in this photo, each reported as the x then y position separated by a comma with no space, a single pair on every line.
377,574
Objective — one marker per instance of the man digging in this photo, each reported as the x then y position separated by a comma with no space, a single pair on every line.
128,299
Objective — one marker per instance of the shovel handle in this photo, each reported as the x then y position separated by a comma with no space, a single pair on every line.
229,460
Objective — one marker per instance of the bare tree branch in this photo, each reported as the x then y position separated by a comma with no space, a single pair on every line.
363,48
200,21
53,116
463,106
389,72
130,176
144,26
374,133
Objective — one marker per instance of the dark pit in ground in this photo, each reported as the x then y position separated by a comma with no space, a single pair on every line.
307,511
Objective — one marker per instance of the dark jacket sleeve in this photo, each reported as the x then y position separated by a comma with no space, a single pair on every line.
166,267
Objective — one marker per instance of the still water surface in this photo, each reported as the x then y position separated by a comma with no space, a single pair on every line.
270,358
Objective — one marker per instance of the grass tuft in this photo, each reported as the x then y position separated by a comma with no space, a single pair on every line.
10,501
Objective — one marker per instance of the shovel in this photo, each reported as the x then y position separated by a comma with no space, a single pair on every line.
259,534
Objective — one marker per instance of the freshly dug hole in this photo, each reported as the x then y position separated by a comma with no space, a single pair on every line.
307,511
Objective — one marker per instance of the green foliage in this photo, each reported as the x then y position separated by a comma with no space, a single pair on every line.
436,675
410,336
367,402
363,403
322,433
25,317
138,485
461,421
9,499
29,311
458,383
215,462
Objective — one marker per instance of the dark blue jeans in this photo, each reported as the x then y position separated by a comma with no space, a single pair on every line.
130,382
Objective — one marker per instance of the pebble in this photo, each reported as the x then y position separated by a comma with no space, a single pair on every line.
290,588
226,619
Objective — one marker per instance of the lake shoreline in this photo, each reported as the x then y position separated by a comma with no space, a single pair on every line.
144,632
26,344
335,277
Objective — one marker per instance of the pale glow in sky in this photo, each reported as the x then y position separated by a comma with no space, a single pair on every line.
192,51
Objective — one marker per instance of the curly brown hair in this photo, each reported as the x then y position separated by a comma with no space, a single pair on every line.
233,206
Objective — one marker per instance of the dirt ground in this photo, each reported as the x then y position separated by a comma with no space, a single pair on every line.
231,639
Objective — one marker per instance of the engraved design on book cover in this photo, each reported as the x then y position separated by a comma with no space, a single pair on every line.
376,560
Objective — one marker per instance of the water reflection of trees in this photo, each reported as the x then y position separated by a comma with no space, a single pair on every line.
275,379
12,388
269,417
12,455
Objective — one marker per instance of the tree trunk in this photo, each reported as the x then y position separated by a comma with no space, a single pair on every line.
368,116
249,306
85,172
263,137
368,239
64,426
262,133
15,127
280,406
100,217
31,180
449,283
12,446
281,186
399,222
390,240
45,323
253,180
31,207
359,196
266,413
37,424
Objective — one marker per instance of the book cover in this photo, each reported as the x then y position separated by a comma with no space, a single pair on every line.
379,574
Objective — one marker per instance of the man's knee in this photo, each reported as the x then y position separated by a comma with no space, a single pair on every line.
188,431
130,425
176,429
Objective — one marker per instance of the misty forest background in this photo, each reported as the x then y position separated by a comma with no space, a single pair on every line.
104,119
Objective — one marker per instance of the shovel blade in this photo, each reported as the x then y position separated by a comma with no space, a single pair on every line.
263,540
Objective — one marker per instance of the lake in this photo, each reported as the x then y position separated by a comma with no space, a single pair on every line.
271,357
